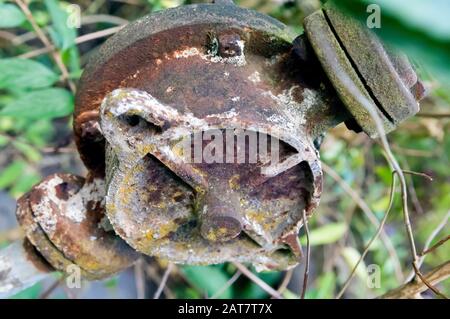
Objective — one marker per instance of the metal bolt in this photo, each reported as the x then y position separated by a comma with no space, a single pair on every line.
221,221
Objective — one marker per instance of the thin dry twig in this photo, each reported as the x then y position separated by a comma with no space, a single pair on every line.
139,277
308,248
263,285
105,18
414,287
438,244
412,191
230,281
363,101
424,175
430,238
98,34
44,39
85,20
428,284
47,292
374,237
152,273
132,2
370,215
78,40
163,281
434,115
412,152
9,36
286,280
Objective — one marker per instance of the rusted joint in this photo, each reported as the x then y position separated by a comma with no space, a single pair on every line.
196,80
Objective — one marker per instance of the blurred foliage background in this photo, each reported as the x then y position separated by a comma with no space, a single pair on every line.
36,102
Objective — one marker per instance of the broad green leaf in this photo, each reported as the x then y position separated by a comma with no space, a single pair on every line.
63,35
11,173
208,279
23,73
43,104
326,234
351,257
10,16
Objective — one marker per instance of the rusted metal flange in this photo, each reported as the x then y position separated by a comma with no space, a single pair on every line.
204,68
201,213
63,217
347,47
131,58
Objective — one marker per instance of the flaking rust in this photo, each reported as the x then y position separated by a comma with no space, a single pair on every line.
227,78
196,80
214,78
62,217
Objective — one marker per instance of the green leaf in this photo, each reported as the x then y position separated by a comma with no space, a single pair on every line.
23,73
208,279
62,35
71,58
43,104
10,16
11,173
327,234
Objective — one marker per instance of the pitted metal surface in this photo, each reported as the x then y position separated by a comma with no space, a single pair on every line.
385,79
64,219
159,201
187,81
211,78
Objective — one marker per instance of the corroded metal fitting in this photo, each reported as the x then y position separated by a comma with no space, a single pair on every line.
188,212
349,52
204,68
213,73
63,217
